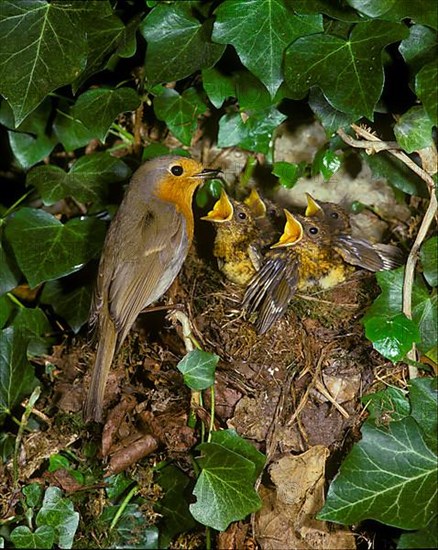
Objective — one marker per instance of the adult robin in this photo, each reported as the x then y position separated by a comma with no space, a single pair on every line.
145,247
354,250
237,245
302,258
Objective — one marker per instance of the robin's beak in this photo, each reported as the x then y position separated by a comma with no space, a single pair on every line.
255,203
222,210
313,208
292,234
208,173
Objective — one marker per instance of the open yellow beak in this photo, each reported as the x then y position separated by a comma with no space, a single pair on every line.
313,208
292,234
255,204
222,210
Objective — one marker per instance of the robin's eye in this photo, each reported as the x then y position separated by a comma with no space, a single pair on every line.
242,215
313,230
177,170
271,213
334,215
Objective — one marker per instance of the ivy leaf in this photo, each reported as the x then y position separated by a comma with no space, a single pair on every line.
177,43
253,134
423,395
349,72
217,86
9,271
391,402
419,48
330,118
70,131
232,441
30,66
198,368
69,300
87,181
180,112
260,30
426,90
429,260
424,314
34,323
392,336
326,163
397,173
224,489
30,141
46,249
42,537
7,307
174,510
132,528
423,538
287,173
16,374
98,108
389,476
413,130
104,35
58,513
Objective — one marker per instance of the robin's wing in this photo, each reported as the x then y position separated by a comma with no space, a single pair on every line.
144,269
275,302
373,257
271,290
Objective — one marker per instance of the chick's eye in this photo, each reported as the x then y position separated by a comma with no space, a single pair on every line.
334,215
242,215
177,170
313,230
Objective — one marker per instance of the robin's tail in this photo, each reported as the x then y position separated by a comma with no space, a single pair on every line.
93,407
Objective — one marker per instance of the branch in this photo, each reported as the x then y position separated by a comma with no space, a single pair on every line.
373,144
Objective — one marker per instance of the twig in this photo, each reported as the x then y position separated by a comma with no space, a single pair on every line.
373,145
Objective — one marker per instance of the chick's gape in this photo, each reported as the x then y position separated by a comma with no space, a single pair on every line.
145,247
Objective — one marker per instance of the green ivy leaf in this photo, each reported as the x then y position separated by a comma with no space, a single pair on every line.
429,260
46,249
34,495
105,33
217,86
424,399
423,538
392,336
326,163
233,442
173,507
34,323
349,72
198,368
255,134
425,315
7,307
413,130
42,537
133,528
87,181
177,43
426,90
224,489
397,173
30,66
389,476
419,11
98,108
287,173
371,8
419,48
58,513
260,30
330,118
335,10
16,374
180,112
70,131
9,271
69,300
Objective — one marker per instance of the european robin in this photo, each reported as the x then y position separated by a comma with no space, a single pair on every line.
236,245
268,216
301,259
354,250
145,247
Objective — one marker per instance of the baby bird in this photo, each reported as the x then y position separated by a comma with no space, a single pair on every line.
354,250
237,245
302,258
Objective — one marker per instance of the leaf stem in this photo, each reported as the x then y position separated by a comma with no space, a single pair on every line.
123,506
16,203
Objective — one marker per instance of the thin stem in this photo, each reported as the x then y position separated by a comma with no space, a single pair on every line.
124,504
